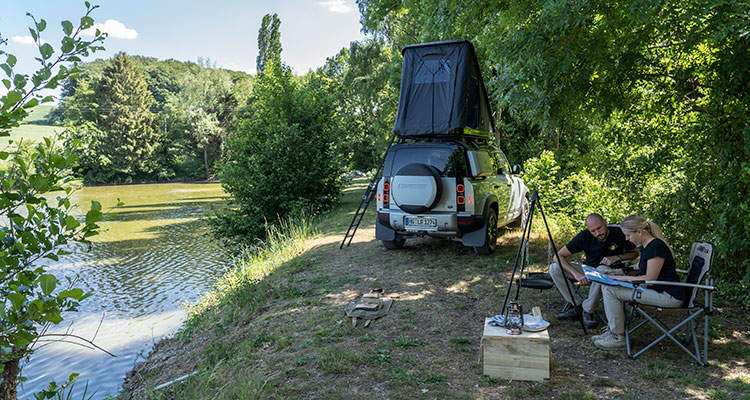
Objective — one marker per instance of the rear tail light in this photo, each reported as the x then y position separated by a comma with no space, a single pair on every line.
386,195
460,197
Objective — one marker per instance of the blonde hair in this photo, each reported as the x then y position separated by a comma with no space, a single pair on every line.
635,222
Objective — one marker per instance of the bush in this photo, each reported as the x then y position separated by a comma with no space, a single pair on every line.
283,160
570,198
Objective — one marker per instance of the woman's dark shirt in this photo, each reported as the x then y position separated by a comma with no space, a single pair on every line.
657,248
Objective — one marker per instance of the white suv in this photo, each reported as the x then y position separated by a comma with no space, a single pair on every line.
463,190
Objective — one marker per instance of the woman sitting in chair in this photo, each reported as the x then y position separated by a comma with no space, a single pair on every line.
656,264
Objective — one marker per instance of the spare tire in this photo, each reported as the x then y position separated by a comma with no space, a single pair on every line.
416,188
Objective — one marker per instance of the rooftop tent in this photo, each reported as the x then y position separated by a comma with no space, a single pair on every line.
442,92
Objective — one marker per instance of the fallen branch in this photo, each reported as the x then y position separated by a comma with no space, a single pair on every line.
172,382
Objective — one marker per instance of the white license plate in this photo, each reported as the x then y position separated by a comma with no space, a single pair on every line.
420,223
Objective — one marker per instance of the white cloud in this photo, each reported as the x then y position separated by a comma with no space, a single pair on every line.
114,29
24,40
337,6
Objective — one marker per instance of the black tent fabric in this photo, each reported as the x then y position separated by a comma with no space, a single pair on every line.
442,92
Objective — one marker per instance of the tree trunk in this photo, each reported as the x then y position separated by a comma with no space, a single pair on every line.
205,161
9,384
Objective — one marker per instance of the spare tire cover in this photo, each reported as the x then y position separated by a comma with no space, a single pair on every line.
416,188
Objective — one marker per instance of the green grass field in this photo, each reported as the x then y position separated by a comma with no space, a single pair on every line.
30,130
38,114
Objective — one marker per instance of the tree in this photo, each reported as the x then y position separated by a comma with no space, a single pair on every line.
205,106
269,43
361,80
644,101
282,160
123,141
34,225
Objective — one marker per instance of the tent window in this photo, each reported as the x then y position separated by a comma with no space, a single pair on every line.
433,71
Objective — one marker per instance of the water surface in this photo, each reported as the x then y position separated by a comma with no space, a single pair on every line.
152,258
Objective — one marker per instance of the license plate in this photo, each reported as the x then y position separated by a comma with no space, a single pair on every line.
420,223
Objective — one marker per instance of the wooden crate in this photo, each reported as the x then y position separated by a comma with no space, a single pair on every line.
522,357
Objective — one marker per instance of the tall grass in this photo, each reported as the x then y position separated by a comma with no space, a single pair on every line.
243,284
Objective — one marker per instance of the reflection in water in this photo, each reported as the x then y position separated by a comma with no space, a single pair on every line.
154,256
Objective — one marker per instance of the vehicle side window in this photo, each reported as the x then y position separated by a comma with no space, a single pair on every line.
456,165
504,165
496,164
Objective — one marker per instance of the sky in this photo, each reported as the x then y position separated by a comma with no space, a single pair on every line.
223,31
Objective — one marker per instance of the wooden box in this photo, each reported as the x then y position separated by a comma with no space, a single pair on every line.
522,357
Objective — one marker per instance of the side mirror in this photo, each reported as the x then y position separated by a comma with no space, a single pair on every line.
516,169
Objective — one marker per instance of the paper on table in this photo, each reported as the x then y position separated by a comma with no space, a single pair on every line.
597,276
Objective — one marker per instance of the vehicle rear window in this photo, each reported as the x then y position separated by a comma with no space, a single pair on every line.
449,162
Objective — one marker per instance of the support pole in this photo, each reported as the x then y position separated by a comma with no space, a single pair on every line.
525,238
567,282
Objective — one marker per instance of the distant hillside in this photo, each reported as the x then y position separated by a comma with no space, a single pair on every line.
38,115
33,128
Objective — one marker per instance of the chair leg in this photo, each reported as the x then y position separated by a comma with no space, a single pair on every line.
603,321
695,341
627,328
525,296
705,340
668,333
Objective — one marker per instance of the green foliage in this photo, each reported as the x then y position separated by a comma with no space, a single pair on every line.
124,117
737,291
19,99
366,98
269,43
644,105
35,225
204,106
572,197
282,161
186,96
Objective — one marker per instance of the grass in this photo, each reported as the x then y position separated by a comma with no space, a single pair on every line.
334,360
274,327
657,371
525,392
406,342
602,382
39,114
33,128
577,395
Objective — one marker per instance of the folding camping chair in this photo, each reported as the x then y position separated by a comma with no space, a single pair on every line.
698,280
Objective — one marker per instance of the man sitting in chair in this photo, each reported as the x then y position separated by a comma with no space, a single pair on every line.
603,245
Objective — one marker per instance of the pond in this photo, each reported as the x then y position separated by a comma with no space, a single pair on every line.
151,259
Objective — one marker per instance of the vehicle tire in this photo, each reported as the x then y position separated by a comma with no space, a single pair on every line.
520,222
394,244
422,188
490,243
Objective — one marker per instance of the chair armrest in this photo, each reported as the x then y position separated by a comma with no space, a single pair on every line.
680,284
